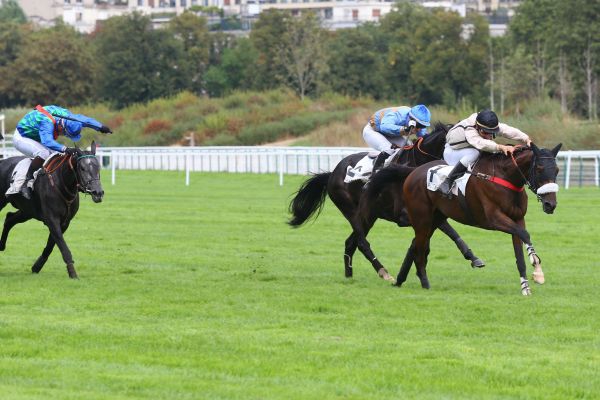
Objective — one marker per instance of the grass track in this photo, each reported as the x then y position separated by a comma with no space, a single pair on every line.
202,292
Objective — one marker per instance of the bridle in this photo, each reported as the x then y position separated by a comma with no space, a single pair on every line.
531,183
53,167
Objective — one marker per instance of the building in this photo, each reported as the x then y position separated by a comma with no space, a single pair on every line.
85,15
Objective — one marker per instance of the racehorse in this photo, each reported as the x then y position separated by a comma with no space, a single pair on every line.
55,199
362,211
495,200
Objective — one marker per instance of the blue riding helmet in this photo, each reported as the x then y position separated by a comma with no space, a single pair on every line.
421,114
71,128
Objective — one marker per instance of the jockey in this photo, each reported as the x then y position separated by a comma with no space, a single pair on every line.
36,136
466,139
390,127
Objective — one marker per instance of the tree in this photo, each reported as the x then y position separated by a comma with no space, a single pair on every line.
10,11
192,32
354,65
302,50
266,36
53,66
236,71
138,63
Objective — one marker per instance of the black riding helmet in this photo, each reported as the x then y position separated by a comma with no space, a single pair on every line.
487,121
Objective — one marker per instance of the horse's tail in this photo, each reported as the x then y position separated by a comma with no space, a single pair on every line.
386,176
309,199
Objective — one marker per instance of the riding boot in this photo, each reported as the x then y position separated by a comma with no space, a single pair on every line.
36,164
446,186
379,161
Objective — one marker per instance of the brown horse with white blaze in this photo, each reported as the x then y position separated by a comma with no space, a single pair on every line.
494,200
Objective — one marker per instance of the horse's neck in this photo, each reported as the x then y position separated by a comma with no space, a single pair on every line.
505,167
65,178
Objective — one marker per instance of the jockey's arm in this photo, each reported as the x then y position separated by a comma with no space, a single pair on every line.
86,121
46,131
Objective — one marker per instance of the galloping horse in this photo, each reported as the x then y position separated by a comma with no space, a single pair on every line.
495,199
55,199
361,211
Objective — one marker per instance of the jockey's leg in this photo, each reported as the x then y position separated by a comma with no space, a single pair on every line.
27,187
446,186
30,148
461,159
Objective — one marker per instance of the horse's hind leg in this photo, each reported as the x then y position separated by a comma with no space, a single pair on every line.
476,262
406,264
351,245
39,263
11,220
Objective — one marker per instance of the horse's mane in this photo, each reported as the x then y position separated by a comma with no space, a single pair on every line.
439,128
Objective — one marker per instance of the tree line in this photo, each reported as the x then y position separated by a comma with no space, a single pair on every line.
413,54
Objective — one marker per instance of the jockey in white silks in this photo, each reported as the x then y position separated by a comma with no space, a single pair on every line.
465,141
392,126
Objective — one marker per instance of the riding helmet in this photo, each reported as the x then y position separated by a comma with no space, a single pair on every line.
421,114
72,128
487,120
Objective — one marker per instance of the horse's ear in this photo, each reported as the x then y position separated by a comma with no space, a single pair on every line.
556,149
535,149
94,147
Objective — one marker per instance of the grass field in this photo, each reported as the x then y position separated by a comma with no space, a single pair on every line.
203,292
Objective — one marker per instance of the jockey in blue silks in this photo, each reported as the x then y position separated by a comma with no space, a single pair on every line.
390,127
36,136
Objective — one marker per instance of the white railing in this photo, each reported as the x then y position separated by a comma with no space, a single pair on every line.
581,167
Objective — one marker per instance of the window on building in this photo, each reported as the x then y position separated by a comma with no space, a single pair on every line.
227,2
376,13
237,2
183,3
140,3
67,1
78,17
355,14
328,13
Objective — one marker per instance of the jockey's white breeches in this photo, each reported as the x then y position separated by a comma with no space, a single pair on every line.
30,147
466,156
381,142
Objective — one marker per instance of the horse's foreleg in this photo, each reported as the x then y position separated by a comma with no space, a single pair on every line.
41,261
518,246
351,245
56,233
476,262
11,220
421,253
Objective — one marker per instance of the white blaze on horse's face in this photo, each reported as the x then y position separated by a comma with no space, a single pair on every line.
547,171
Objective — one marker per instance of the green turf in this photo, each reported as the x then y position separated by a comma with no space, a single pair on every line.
202,292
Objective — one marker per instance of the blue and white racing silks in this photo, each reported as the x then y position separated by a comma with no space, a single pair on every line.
37,126
393,121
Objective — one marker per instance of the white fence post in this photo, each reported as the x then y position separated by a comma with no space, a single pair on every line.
279,160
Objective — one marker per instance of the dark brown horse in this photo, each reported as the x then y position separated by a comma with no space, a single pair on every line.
361,210
494,200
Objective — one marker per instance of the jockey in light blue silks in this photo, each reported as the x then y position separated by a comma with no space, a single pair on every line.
392,126
36,136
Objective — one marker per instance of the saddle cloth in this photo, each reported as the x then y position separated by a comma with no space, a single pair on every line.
364,167
436,175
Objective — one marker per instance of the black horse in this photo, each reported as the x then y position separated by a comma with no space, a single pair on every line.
361,210
55,199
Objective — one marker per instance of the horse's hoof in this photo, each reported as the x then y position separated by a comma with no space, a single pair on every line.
526,292
538,277
477,263
74,276
383,274
2,247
